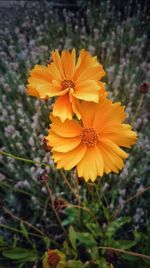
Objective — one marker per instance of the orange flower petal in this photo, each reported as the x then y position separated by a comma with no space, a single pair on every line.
120,134
112,155
93,73
113,147
32,91
55,73
83,61
108,113
68,62
40,73
39,82
87,111
88,67
75,106
61,144
58,62
70,159
91,165
87,90
69,128
63,108
102,91
107,159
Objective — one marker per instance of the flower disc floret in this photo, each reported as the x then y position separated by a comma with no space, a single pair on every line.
67,84
89,137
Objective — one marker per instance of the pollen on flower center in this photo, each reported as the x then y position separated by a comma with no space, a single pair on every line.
67,84
89,136
53,258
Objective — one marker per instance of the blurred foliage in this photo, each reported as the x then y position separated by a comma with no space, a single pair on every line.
100,214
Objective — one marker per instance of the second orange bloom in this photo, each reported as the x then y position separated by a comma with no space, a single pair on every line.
69,80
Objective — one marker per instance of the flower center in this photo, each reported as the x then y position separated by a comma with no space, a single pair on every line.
67,84
89,136
53,258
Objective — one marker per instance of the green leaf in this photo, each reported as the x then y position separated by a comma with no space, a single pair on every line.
73,237
61,264
115,225
24,230
137,236
86,239
20,254
72,215
124,244
95,229
93,251
15,241
47,241
2,242
68,249
106,212
75,264
102,263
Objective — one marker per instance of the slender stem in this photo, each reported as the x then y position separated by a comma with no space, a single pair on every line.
54,209
137,194
25,159
118,208
45,207
138,108
18,231
136,254
68,184
14,189
78,189
23,221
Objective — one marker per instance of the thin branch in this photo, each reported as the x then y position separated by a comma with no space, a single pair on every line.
138,108
69,185
54,209
136,254
137,194
119,208
23,221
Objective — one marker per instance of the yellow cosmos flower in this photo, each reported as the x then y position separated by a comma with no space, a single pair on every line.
68,79
93,144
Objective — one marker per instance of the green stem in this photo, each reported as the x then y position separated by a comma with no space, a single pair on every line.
14,189
18,231
25,159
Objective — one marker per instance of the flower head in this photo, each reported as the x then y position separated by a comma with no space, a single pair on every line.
93,144
70,80
54,258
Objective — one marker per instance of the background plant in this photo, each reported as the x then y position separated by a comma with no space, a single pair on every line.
93,215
